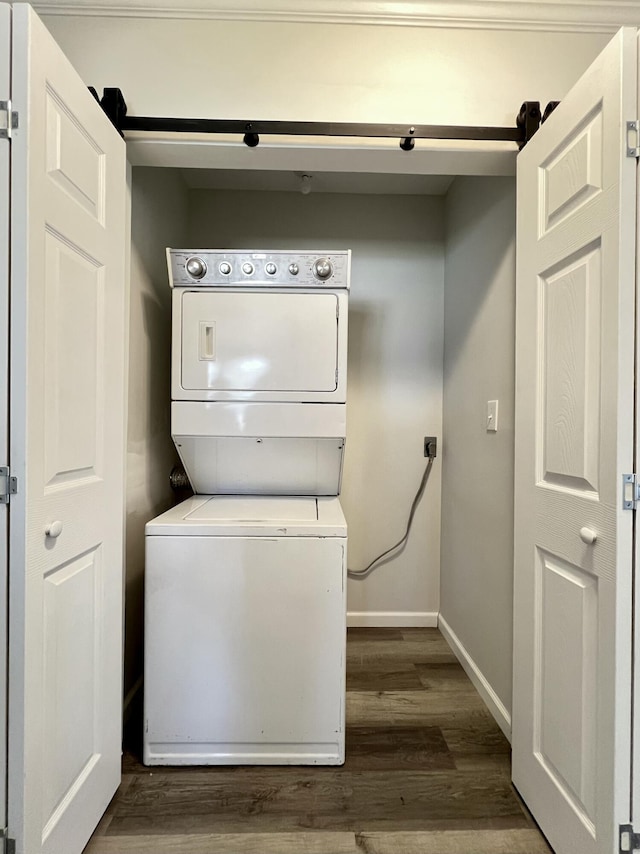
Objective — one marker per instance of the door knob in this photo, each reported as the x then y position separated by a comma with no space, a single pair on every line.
588,536
53,529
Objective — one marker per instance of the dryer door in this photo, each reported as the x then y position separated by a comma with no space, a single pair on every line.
247,345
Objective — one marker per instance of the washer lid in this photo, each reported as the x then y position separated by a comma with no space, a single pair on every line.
251,516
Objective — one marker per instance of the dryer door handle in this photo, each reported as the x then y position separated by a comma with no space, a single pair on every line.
207,341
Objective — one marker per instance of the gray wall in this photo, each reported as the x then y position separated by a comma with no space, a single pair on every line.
477,484
158,219
323,71
395,368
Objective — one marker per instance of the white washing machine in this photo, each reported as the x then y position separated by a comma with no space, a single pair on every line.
246,637
245,609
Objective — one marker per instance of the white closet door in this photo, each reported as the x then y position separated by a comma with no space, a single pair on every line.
574,440
68,292
5,161
635,806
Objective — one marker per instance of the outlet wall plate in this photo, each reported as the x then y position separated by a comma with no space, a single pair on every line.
431,447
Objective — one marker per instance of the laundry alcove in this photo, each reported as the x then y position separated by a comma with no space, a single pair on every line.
431,340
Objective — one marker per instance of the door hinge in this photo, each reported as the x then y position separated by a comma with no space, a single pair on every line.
630,492
10,120
8,484
633,136
8,844
629,840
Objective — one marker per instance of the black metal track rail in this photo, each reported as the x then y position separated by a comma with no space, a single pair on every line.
231,126
114,105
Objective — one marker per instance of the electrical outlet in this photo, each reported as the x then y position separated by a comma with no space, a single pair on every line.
430,447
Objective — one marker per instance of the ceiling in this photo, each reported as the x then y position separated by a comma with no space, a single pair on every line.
321,182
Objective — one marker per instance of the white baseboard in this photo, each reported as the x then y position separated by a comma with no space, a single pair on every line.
481,684
390,619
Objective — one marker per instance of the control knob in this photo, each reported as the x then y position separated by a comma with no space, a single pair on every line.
271,268
225,268
322,268
294,269
247,268
196,267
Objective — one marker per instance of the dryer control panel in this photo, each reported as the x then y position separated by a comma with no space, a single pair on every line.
230,268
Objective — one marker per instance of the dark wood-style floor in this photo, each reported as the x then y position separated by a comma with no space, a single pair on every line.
427,772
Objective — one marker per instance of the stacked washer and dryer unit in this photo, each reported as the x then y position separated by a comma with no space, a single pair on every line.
245,592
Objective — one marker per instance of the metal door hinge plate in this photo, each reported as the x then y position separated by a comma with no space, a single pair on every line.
8,846
633,138
630,491
629,841
9,120
8,485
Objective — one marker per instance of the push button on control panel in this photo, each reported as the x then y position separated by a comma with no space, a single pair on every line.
225,268
247,268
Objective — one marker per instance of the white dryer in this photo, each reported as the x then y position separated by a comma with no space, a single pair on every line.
259,369
245,610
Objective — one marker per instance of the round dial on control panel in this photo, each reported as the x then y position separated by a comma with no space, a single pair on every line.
225,268
247,268
271,268
196,267
294,269
322,268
